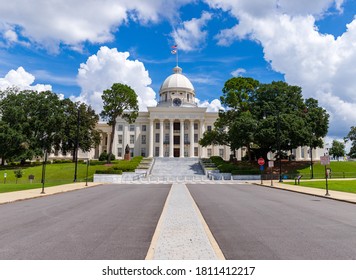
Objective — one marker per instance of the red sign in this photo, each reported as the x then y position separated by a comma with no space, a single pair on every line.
261,161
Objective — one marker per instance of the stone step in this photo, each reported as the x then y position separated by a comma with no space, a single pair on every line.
177,167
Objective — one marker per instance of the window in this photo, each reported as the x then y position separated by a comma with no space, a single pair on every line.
157,137
119,152
132,152
209,153
302,153
209,127
143,139
119,139
166,125
156,151
120,127
188,97
132,139
132,127
195,126
144,127
185,153
186,138
143,152
166,138
221,153
185,126
196,138
157,125
196,151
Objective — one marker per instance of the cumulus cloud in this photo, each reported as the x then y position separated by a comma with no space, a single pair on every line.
191,35
74,22
22,80
320,63
109,66
213,106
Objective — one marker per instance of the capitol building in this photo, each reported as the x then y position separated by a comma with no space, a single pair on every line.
173,128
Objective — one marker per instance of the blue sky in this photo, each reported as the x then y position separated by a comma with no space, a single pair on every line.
79,49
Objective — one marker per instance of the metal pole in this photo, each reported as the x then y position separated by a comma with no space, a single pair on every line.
279,146
326,182
76,147
44,172
311,162
86,180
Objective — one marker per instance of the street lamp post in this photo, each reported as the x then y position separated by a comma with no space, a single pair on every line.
44,171
279,146
86,180
76,148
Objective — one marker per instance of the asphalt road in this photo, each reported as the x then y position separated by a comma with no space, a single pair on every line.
104,222
252,222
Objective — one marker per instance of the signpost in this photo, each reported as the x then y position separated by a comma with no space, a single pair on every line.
261,163
271,165
325,160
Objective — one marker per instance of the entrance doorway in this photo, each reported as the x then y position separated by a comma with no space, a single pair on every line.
176,152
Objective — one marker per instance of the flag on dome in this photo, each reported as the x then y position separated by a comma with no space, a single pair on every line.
174,46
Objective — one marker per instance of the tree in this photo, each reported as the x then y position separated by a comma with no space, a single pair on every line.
351,136
269,117
337,149
119,101
84,126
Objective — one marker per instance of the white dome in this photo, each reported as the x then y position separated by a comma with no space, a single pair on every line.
177,81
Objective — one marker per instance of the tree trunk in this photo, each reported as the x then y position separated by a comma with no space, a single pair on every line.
2,161
111,141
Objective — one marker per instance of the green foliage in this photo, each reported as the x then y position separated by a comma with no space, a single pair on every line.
109,171
104,156
351,136
267,117
337,149
18,173
119,101
33,122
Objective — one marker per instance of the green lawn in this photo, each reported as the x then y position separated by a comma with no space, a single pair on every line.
56,174
341,169
336,185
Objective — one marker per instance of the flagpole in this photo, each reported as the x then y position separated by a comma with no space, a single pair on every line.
177,57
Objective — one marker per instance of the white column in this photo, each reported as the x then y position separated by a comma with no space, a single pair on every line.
137,145
297,153
150,140
161,138
306,153
181,138
171,138
202,130
191,140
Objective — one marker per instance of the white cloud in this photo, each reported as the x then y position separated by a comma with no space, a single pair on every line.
191,35
213,106
22,80
238,72
74,22
320,63
107,67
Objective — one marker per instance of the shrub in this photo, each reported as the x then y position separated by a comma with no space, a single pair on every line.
18,173
109,171
104,156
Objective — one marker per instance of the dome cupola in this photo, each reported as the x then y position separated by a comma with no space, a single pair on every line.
177,91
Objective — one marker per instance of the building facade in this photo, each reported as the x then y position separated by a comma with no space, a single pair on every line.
173,128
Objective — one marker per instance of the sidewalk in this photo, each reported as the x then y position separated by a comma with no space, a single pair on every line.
336,195
33,193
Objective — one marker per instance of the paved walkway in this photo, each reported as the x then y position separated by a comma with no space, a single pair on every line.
182,233
342,196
